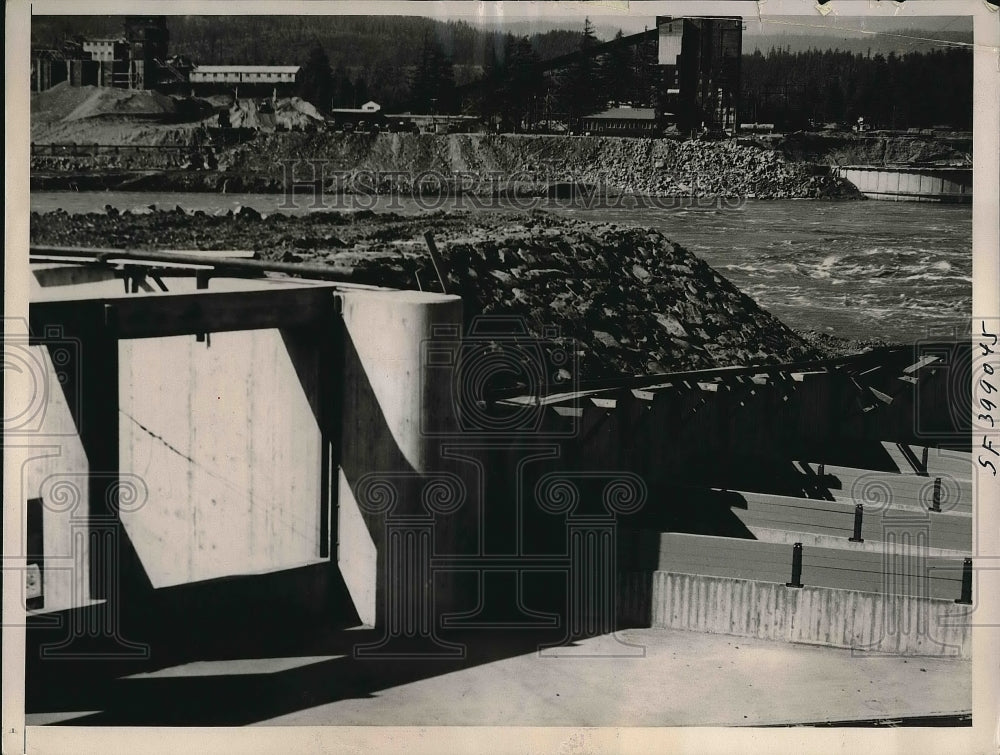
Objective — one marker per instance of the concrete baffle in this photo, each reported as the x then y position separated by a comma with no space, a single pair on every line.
400,499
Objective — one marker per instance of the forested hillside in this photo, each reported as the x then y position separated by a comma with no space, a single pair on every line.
417,63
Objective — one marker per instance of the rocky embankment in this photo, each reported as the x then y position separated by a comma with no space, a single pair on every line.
624,300
873,149
488,164
481,164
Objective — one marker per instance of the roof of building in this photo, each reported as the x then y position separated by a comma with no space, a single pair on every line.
246,69
353,111
626,113
104,40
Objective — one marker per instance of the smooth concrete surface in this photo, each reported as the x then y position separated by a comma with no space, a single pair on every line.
55,470
225,447
913,184
685,679
940,461
903,569
395,419
943,530
790,537
908,489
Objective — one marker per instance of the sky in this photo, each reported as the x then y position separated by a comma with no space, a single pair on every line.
905,31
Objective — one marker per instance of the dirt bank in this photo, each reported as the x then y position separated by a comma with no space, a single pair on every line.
624,301
873,149
473,163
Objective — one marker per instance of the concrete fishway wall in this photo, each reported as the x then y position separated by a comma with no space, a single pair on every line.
863,621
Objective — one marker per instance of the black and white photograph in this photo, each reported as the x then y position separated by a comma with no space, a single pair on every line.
528,377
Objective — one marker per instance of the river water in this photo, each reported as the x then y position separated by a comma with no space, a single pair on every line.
857,269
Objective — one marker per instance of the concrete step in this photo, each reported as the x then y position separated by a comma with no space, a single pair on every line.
816,540
905,573
883,624
853,485
835,519
910,459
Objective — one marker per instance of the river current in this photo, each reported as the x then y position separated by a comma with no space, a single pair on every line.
857,269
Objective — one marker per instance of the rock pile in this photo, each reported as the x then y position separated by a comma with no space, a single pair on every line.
626,301
620,300
487,165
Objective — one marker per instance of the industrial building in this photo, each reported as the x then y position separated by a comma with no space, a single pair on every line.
623,121
104,50
246,81
701,62
148,39
136,60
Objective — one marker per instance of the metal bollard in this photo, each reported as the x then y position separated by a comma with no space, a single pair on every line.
821,471
936,505
796,566
966,598
859,512
923,460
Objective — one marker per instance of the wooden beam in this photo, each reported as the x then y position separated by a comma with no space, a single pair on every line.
183,314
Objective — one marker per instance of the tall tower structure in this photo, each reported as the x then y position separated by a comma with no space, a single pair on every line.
701,70
147,38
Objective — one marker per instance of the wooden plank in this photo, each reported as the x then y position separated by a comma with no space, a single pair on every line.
206,312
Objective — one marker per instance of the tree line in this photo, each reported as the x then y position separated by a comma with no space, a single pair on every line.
914,90
793,90
422,64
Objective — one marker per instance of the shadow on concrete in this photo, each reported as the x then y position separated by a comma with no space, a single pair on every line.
761,475
272,644
275,675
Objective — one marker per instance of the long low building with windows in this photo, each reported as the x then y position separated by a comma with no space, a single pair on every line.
271,80
623,121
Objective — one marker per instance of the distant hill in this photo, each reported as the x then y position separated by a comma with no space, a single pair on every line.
375,57
882,43
381,50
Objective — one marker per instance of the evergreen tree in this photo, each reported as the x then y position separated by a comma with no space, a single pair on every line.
432,87
360,87
343,89
517,97
316,79
582,87
618,73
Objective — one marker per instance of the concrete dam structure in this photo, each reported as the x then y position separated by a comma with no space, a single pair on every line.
911,183
223,451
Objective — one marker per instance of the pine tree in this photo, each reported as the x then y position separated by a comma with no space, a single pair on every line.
432,88
316,79
583,86
618,73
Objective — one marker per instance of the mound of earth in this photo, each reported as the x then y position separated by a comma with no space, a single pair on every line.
130,103
56,103
288,114
623,300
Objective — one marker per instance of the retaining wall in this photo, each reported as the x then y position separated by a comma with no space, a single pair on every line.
863,621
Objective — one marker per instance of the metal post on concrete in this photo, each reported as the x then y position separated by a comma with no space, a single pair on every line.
966,598
936,505
859,512
796,566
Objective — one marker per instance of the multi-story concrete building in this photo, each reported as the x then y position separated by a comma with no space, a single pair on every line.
701,62
106,49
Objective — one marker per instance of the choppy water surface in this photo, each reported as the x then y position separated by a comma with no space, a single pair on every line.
894,270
